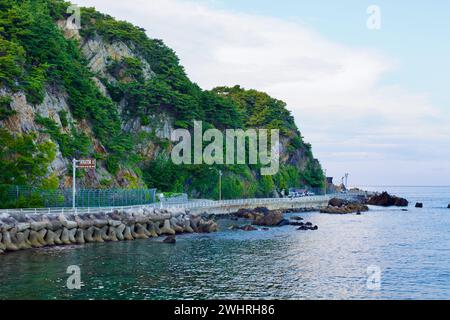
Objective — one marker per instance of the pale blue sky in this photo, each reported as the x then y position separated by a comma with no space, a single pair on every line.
415,33
372,103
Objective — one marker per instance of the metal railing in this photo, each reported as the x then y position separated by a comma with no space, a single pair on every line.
25,196
185,205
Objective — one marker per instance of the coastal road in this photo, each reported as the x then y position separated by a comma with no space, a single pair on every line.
208,206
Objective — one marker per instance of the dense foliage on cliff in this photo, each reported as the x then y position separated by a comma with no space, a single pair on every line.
35,55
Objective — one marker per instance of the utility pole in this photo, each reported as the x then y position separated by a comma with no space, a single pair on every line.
74,174
220,185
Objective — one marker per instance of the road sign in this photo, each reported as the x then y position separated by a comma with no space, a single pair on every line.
79,164
86,164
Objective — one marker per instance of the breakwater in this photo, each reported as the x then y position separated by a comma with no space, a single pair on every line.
24,231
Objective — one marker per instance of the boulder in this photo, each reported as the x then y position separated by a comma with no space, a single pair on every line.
112,234
308,227
67,223
283,223
170,239
104,233
41,236
72,233
79,236
419,205
166,229
140,232
335,202
152,230
57,238
187,226
50,238
386,200
296,218
248,228
23,226
448,207
127,233
174,225
7,243
97,235
88,234
271,218
346,209
21,242
34,239
65,236
119,232
207,226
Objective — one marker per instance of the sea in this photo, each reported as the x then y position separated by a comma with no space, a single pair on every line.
386,253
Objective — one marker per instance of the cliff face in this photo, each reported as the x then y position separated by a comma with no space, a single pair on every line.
109,92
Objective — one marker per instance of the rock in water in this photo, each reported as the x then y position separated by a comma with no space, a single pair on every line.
419,205
170,239
269,219
283,223
386,200
248,228
335,202
448,207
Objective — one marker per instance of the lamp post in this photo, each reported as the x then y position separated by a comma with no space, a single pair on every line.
74,184
220,185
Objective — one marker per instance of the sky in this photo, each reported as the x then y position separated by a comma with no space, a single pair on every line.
374,103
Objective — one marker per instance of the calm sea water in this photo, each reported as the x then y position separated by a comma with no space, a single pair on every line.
411,249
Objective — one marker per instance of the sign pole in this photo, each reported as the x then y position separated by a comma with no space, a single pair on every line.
74,168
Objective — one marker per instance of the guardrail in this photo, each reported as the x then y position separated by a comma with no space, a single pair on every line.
186,205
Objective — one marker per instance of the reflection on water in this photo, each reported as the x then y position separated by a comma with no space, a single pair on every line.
412,249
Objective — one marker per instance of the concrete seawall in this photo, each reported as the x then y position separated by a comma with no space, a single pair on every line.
287,204
24,231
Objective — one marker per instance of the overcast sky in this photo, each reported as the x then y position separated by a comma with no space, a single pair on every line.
373,103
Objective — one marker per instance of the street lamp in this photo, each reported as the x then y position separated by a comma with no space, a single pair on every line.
220,185
220,181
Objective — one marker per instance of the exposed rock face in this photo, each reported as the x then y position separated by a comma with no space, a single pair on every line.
387,200
19,232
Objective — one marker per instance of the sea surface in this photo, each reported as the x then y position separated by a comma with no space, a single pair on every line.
386,253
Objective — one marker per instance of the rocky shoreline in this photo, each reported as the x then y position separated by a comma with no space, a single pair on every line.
339,206
23,231
263,217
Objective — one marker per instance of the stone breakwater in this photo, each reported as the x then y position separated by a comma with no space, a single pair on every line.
23,231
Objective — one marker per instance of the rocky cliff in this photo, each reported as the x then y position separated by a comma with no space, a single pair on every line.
109,92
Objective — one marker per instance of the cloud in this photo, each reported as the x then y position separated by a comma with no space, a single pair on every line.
334,91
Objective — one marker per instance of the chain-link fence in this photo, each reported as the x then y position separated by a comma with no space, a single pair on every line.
29,197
